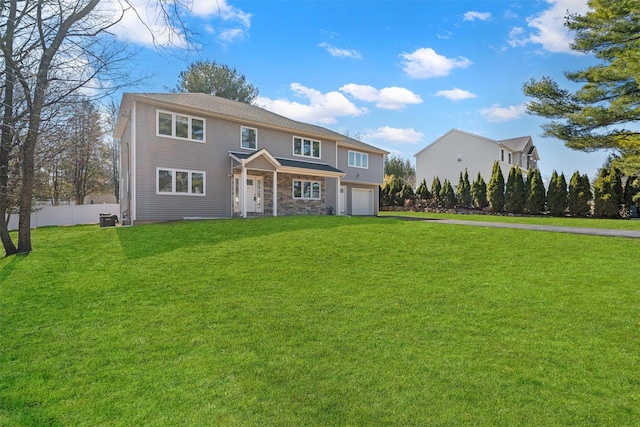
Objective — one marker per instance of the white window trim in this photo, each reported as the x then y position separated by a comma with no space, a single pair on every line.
354,159
293,147
173,182
302,181
241,141
173,127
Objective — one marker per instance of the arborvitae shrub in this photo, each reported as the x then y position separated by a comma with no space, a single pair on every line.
406,194
605,199
463,192
514,198
495,189
436,188
578,198
447,195
479,192
535,194
422,192
557,195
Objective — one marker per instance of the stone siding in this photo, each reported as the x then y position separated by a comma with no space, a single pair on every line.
287,205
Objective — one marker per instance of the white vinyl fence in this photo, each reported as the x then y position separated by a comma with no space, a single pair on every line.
67,215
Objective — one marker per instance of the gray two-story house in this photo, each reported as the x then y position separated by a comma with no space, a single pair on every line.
193,155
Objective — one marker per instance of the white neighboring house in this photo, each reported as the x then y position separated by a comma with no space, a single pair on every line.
457,150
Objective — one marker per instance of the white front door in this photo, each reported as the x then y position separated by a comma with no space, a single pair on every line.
253,196
343,199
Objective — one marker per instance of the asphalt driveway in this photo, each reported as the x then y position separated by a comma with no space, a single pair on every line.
632,234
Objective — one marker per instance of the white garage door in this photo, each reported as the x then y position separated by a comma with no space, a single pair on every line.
361,202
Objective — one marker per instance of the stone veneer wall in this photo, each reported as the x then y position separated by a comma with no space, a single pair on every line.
287,205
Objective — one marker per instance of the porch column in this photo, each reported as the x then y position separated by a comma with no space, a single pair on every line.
243,191
275,193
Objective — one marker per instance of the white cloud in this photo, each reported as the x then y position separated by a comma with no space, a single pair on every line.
472,16
321,108
231,34
425,63
388,98
456,94
496,113
547,27
340,53
220,8
143,21
395,135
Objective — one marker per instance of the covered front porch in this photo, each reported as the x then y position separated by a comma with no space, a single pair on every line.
263,184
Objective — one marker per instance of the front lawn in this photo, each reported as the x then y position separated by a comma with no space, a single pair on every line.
319,321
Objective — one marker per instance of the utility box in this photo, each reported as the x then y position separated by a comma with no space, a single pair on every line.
633,212
108,220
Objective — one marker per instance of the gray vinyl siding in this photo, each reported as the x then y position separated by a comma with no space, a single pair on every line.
261,164
331,194
212,157
153,152
373,174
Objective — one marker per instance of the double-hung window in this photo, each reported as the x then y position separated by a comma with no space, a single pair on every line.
179,181
306,147
249,138
306,189
358,160
181,126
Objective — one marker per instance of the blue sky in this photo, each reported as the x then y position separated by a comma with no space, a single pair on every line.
397,74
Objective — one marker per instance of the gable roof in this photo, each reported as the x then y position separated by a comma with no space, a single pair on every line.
456,131
247,113
286,163
516,144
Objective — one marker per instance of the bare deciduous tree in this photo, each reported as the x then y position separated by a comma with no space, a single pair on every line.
51,51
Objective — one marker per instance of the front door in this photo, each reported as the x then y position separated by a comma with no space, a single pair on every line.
343,199
253,197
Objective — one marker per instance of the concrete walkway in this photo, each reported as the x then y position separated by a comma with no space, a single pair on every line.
632,234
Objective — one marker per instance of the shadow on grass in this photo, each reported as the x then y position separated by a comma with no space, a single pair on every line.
8,268
153,239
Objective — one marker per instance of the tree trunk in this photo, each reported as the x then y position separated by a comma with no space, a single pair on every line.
6,140
35,110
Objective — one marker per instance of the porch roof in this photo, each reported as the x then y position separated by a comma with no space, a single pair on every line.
284,163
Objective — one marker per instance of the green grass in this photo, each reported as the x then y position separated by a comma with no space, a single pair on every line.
616,224
319,321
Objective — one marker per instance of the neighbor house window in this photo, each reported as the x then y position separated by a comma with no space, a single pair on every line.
358,159
501,155
509,158
306,147
180,126
306,189
249,138
177,181
459,157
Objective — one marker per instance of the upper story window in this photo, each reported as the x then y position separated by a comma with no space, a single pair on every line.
509,158
182,126
249,138
502,155
459,157
306,147
358,159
